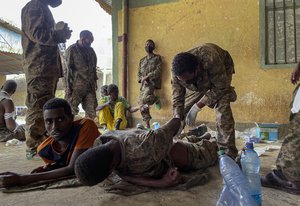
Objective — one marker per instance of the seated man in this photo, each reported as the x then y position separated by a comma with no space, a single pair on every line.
67,140
9,129
103,91
112,109
286,176
146,158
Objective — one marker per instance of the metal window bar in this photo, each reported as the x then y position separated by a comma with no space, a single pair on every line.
274,31
272,7
284,32
295,30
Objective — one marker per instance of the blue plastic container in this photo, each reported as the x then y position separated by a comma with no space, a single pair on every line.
267,131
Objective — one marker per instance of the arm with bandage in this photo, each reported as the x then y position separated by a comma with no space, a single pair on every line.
9,114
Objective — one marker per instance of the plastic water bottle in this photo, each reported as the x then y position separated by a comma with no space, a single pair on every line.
250,165
235,191
155,125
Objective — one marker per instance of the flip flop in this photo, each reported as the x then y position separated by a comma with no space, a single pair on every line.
273,180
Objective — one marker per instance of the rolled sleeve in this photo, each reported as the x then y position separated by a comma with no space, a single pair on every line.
178,97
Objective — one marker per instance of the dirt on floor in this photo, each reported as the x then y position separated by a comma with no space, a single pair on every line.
12,158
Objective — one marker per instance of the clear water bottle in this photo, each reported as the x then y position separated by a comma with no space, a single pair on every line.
235,191
155,125
250,165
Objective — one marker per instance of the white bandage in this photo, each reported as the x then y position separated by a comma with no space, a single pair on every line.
10,115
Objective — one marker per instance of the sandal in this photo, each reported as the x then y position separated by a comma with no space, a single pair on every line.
276,180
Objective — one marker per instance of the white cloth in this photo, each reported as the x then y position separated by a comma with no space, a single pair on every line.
296,102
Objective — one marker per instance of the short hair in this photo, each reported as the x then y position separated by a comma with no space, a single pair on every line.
56,103
151,41
85,33
112,88
184,62
94,165
104,88
9,86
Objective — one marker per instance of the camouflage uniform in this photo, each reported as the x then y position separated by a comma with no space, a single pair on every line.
214,81
288,160
81,72
147,152
41,63
6,134
149,65
18,133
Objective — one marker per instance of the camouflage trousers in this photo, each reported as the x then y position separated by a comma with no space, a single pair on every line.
224,120
201,154
288,160
18,133
147,97
88,99
39,91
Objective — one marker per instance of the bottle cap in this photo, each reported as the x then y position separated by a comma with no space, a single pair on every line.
221,152
249,145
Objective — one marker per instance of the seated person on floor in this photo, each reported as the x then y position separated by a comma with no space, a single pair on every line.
286,176
112,110
147,158
9,129
67,140
103,91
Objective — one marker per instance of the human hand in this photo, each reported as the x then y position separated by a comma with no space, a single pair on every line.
182,125
192,114
9,179
39,169
171,177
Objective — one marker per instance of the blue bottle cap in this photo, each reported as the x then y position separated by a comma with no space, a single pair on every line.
249,145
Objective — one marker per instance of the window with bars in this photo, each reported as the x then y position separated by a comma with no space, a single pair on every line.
281,36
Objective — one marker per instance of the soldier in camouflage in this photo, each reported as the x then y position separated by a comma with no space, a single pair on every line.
41,64
202,77
9,129
286,176
82,75
148,158
149,76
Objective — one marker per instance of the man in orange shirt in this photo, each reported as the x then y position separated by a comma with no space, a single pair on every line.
67,140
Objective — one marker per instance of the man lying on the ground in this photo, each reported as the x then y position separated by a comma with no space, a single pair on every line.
147,158
9,129
286,176
67,140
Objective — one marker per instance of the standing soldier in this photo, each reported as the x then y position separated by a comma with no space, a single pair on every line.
41,64
202,77
82,75
286,175
149,76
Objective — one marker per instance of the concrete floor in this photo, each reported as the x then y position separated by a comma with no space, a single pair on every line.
13,159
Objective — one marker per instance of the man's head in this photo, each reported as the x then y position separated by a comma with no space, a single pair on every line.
10,87
184,67
86,38
103,91
54,3
149,46
94,165
58,118
113,91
